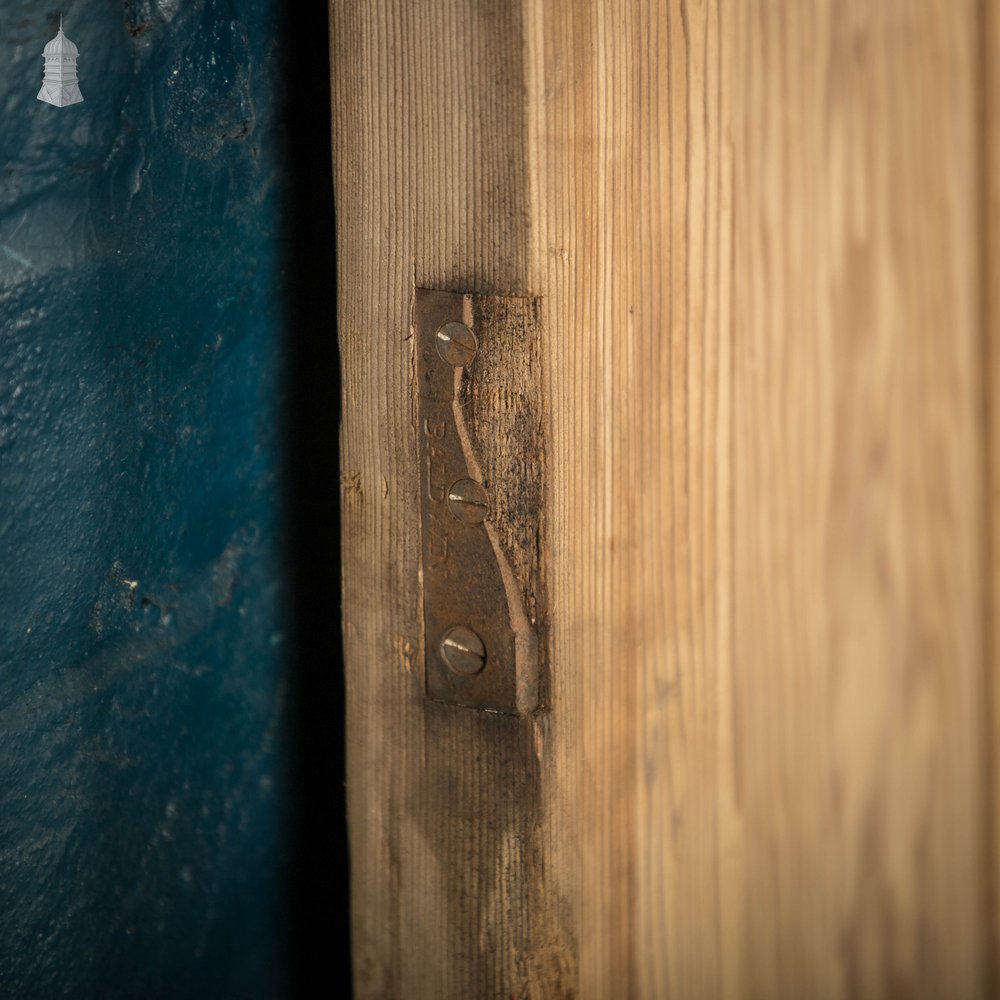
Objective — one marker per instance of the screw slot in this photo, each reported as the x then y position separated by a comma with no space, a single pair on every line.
468,501
456,344
463,651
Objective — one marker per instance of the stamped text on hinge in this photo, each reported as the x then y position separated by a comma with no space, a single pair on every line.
479,436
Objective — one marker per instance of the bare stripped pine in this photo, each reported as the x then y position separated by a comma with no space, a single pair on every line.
989,132
449,883
857,482
754,231
630,114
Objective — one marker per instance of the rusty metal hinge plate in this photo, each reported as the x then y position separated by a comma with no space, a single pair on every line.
479,423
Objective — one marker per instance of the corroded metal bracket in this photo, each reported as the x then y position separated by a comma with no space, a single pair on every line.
480,488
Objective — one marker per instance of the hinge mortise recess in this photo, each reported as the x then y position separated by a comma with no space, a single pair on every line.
481,461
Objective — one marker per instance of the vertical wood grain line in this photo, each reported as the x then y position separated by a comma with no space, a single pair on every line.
988,14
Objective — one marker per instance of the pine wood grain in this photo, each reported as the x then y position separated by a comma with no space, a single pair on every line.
989,131
755,232
446,810
857,665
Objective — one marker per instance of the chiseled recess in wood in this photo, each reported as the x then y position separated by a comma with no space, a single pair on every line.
502,403
857,488
451,896
629,142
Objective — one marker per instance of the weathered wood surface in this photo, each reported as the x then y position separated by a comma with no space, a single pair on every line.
756,232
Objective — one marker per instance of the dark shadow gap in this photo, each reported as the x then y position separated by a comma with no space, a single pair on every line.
317,925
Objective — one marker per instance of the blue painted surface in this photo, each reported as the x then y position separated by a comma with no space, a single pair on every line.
141,622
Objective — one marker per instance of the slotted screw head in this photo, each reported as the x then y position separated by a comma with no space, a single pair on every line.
456,344
468,501
463,651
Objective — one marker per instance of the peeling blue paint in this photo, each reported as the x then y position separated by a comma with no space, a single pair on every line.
141,601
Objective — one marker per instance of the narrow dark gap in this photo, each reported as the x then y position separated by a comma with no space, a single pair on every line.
317,921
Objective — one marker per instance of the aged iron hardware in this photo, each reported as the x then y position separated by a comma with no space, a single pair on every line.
468,501
480,600
463,651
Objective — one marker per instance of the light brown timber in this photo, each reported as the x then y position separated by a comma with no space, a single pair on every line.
989,132
756,233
